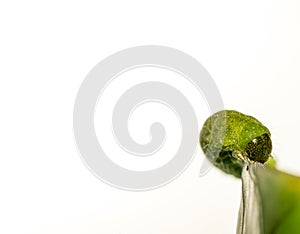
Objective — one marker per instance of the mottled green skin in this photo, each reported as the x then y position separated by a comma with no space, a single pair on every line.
227,140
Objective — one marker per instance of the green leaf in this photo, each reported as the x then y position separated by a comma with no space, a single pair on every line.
270,201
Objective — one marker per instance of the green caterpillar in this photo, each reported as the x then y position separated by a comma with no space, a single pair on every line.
229,139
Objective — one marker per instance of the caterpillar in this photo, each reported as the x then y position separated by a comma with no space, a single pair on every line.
229,139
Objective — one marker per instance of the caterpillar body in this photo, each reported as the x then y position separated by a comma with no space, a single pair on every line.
229,139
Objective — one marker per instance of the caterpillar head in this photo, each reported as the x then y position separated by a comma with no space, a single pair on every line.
259,149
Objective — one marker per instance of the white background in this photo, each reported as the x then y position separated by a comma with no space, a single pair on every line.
251,49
